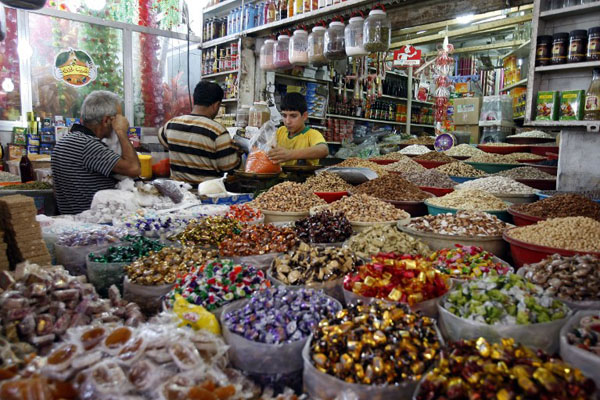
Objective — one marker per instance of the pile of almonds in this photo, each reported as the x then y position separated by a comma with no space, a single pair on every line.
364,208
287,197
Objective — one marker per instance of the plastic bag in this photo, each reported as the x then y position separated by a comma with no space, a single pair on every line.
74,258
104,275
543,336
261,143
261,358
319,385
212,186
260,261
170,189
149,298
586,361
194,316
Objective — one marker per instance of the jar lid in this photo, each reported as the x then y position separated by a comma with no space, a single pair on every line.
270,41
544,38
578,32
560,35
377,12
336,23
319,29
356,19
594,30
282,37
300,32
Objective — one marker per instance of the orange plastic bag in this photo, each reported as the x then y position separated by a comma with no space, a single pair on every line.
259,163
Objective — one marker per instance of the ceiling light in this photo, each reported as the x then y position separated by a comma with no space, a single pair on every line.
420,32
465,19
95,5
496,18
8,85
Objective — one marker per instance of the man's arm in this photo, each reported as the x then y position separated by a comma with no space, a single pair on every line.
280,154
227,153
128,164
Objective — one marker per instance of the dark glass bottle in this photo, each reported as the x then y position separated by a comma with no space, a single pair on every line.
26,169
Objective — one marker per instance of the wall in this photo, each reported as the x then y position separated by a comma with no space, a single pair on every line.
579,163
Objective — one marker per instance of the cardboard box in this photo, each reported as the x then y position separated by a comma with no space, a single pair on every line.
473,131
466,111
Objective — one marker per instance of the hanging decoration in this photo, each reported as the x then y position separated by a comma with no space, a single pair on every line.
75,68
442,66
151,81
10,103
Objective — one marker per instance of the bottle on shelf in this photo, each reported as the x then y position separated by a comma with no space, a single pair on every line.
592,98
26,169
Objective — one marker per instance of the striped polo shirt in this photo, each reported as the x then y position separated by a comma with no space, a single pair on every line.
81,166
199,148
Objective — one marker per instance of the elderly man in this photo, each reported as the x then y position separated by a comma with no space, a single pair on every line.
81,164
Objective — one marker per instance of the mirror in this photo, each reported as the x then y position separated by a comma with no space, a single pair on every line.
25,4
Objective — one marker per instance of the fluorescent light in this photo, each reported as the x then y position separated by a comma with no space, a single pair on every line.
496,18
465,19
95,5
420,32
8,85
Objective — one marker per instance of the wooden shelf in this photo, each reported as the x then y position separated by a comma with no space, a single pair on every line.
564,124
301,78
387,96
376,121
561,67
567,11
422,125
224,39
521,83
521,52
217,74
229,101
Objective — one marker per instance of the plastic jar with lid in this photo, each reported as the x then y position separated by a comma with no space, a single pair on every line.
267,55
334,41
543,50
577,45
259,114
377,32
560,43
316,47
593,46
242,117
353,35
282,49
298,52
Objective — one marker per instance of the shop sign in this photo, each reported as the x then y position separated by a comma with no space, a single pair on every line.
75,68
407,56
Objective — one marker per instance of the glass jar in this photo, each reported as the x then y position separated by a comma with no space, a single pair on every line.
316,47
298,53
353,35
593,46
267,55
577,45
334,41
560,42
259,114
281,50
543,50
377,32
243,116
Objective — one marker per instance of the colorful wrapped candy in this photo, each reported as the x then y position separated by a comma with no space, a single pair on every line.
476,369
209,231
259,239
586,335
400,278
244,213
218,282
134,248
466,262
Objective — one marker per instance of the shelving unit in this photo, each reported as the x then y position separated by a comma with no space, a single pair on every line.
217,74
521,83
571,66
229,101
223,40
377,121
301,78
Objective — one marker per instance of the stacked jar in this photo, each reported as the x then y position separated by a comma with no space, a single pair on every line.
353,35
593,47
577,45
316,47
560,44
377,32
281,50
259,114
267,55
298,48
334,41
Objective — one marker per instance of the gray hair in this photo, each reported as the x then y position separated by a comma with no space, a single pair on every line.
99,104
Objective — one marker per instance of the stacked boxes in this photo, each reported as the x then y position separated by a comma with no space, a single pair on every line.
23,235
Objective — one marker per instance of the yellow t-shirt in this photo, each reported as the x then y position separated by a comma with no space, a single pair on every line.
307,138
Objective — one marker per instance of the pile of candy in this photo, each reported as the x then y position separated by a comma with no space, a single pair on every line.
209,231
323,227
280,315
586,335
476,369
96,236
136,247
386,239
375,344
164,266
218,282
158,226
466,262
308,264
243,213
400,278
463,223
259,239
504,299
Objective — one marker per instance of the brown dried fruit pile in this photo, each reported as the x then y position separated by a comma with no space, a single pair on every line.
392,187
561,205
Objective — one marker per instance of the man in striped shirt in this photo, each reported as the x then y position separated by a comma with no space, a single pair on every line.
81,164
200,148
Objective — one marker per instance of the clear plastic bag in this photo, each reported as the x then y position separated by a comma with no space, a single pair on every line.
173,190
586,361
104,275
261,143
319,385
261,358
543,336
260,261
74,258
149,298
332,288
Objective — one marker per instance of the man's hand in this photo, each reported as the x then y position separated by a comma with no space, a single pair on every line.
120,125
279,155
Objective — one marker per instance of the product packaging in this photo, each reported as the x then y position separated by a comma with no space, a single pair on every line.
571,105
547,106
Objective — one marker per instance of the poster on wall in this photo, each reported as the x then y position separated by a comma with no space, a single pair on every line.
75,68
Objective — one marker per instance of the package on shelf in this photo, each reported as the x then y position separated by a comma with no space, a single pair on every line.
496,108
571,105
519,96
547,106
465,111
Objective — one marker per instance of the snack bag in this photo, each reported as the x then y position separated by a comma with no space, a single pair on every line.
194,316
260,143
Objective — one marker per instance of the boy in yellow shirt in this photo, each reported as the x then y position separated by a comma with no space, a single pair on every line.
296,141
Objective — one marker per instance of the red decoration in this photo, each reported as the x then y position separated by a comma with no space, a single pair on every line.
151,81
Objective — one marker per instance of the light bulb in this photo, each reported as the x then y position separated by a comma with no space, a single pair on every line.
95,5
465,19
8,85
24,50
